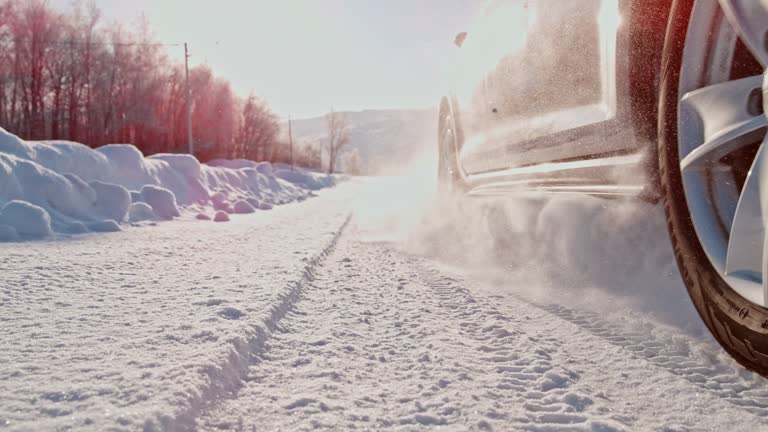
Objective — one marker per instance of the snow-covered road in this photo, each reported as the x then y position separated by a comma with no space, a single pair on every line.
321,315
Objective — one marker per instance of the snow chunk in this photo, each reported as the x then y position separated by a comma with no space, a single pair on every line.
104,226
140,211
221,217
243,207
231,313
220,202
162,200
218,197
27,219
112,200
73,227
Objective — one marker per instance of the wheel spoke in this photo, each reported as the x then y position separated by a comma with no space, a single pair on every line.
729,140
719,119
750,19
747,241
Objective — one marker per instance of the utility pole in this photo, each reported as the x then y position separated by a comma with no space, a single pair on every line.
290,140
190,143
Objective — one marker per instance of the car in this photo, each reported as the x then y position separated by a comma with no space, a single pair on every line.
659,100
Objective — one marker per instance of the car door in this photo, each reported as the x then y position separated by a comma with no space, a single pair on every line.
552,94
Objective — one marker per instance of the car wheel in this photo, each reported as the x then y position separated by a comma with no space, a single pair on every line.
449,176
713,166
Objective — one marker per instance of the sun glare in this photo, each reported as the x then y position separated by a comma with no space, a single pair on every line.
502,30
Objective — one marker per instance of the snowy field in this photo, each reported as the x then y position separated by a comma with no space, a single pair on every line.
367,307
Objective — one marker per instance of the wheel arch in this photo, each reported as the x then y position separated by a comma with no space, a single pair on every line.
649,24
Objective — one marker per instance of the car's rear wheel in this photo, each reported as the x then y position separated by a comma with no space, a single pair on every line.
449,137
714,167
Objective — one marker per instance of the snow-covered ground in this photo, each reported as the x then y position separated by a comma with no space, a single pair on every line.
57,188
137,330
370,308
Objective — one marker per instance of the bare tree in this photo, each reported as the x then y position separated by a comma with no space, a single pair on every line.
338,136
65,75
258,130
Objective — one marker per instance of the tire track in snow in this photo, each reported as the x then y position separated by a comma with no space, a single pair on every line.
231,373
552,408
728,381
380,342
524,365
385,340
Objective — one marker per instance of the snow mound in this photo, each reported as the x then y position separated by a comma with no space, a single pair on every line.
141,211
111,199
243,207
221,217
77,189
26,219
103,226
162,201
220,203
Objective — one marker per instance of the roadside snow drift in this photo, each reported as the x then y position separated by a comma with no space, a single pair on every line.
59,187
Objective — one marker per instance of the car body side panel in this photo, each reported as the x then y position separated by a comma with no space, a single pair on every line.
578,100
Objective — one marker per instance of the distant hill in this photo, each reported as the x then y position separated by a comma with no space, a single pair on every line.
384,139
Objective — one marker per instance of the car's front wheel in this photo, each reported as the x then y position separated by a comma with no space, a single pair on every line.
714,166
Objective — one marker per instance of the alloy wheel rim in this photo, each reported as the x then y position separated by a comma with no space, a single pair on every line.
721,139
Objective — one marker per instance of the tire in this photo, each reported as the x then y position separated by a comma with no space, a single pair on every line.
449,140
740,326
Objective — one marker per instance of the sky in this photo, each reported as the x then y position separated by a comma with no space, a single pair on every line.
305,56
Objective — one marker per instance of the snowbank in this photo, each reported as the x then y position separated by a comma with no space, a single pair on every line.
61,187
308,180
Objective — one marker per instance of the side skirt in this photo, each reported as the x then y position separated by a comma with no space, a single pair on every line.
610,176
